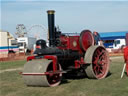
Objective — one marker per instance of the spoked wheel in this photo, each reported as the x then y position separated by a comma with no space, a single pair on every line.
34,70
54,79
98,60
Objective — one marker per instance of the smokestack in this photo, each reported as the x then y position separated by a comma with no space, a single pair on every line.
51,27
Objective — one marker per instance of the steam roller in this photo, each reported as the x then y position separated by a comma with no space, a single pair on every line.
67,54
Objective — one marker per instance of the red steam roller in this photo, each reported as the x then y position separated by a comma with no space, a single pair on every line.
126,58
126,53
66,54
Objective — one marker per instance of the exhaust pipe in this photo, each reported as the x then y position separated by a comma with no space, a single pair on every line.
51,28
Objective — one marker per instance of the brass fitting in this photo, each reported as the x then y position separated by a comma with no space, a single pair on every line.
50,11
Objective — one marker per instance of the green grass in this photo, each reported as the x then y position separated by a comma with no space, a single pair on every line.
11,84
11,64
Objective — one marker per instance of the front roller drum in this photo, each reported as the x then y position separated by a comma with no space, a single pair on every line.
98,62
34,73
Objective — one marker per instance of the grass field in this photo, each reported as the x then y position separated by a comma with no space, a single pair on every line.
12,64
11,84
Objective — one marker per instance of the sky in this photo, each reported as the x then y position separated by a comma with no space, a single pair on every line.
71,15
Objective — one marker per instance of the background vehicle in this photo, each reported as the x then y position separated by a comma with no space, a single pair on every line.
119,43
26,44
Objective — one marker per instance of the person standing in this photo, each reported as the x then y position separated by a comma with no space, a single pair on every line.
97,39
126,58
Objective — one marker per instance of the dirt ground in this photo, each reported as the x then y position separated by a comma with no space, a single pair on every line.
14,57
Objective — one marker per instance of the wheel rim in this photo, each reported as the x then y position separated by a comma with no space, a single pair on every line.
100,62
53,79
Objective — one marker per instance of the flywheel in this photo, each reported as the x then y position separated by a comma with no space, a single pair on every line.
86,39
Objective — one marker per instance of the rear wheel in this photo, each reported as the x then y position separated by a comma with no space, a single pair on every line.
98,62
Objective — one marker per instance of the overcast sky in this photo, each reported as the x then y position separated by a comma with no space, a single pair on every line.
71,15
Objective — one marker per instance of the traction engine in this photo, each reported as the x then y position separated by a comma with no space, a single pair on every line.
65,55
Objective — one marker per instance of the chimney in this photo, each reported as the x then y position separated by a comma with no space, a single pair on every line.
51,27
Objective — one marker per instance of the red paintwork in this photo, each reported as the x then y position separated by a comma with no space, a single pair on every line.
74,43
30,58
54,59
86,39
70,42
127,67
33,73
55,71
64,42
45,73
77,43
79,62
126,58
51,57
126,53
99,62
38,46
